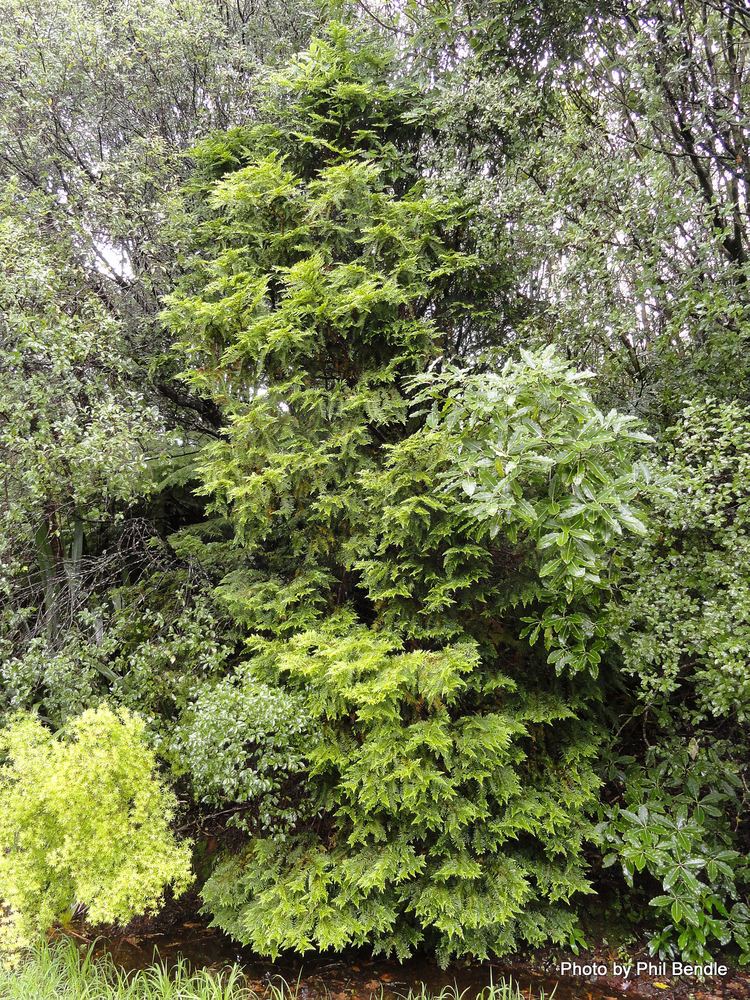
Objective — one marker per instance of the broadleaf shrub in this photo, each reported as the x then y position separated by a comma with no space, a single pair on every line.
523,489
674,827
243,744
683,616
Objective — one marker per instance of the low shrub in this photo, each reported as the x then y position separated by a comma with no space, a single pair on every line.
242,743
85,823
673,828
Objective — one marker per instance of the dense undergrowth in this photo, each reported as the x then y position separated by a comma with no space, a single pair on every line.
374,472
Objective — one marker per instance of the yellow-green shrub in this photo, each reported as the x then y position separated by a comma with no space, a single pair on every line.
84,823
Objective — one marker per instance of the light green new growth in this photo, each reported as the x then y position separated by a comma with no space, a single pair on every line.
84,824
450,811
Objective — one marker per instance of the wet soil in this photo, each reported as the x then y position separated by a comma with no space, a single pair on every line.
357,976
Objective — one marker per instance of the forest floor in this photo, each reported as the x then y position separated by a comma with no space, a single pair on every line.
357,976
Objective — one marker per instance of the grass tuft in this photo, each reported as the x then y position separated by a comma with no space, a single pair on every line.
61,972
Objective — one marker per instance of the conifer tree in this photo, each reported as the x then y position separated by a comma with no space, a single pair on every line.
451,780
328,276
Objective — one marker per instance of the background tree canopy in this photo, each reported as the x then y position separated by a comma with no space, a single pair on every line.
374,440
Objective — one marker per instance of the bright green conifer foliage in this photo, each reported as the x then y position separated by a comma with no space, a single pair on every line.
452,778
85,823
327,277
451,813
